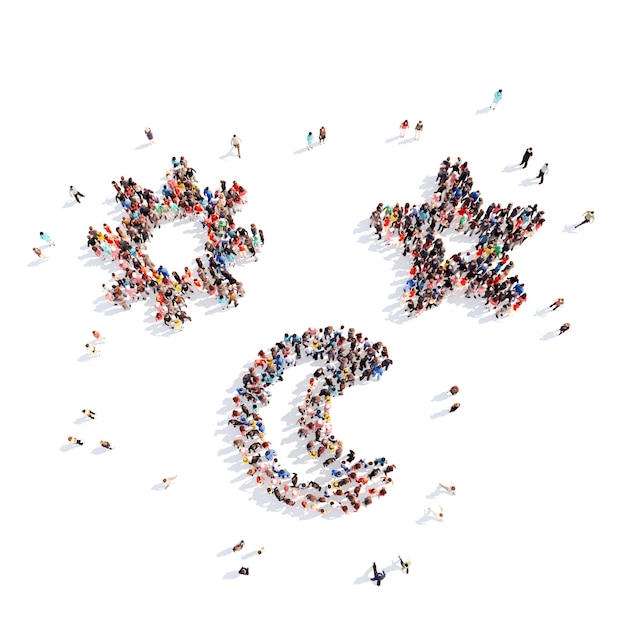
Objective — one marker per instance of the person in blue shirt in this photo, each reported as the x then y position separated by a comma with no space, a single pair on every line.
309,141
496,98
378,576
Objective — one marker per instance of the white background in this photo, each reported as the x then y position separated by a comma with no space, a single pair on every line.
536,450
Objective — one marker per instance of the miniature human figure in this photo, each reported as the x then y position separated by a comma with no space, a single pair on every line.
418,130
238,546
322,135
75,441
309,141
261,550
97,336
74,193
527,156
589,217
542,172
403,127
92,349
378,576
454,407
168,481
438,515
453,390
149,134
451,488
564,328
235,142
106,444
89,413
47,238
557,303
244,571
40,254
404,565
496,99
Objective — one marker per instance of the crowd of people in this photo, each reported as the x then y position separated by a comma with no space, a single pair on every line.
456,206
145,211
344,358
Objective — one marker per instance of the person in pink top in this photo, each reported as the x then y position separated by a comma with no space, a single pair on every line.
403,127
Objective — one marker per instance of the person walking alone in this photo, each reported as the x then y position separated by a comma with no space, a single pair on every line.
74,193
404,565
589,217
542,172
168,481
89,413
496,99
527,156
564,328
418,130
235,142
148,131
73,440
557,303
378,576
106,444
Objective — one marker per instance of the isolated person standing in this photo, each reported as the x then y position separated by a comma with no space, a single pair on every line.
149,134
418,130
557,303
496,99
235,142
542,172
40,254
527,156
322,135
589,217
564,328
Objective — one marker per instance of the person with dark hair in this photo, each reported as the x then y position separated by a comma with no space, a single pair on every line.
74,193
378,576
238,546
527,156
235,142
89,413
496,99
403,127
589,217
453,390
542,172
309,141
418,130
404,565
322,135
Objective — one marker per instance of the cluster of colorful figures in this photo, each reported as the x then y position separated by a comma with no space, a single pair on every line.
456,206
144,211
344,358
